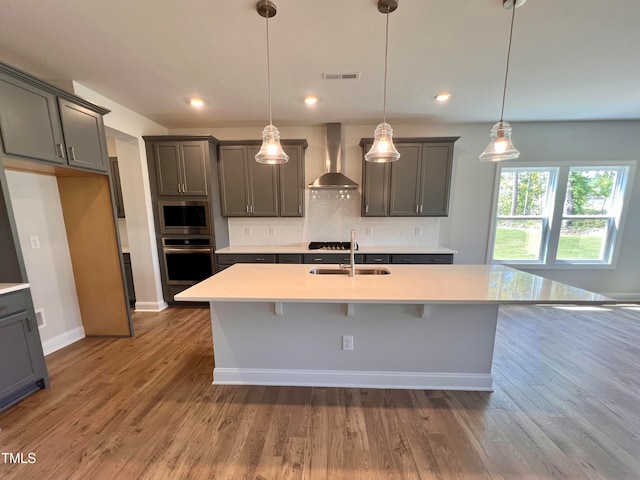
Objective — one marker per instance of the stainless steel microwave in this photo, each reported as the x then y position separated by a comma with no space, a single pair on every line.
190,217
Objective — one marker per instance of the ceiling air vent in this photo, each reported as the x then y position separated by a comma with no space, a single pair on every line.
341,76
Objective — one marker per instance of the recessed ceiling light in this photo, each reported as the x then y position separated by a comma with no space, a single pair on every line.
310,100
196,102
443,97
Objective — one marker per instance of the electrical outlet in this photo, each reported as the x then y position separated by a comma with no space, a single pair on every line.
368,231
247,231
347,342
35,242
418,231
272,231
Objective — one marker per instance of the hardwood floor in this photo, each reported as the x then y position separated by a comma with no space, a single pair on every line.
566,405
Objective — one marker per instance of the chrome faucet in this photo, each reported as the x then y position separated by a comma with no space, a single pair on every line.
352,254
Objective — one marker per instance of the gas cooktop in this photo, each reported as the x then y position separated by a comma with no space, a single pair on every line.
330,246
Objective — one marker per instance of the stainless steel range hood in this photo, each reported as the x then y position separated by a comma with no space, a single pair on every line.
333,178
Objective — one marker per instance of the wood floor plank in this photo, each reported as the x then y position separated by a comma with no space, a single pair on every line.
566,406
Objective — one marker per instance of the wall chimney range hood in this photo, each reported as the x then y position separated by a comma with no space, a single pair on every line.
333,178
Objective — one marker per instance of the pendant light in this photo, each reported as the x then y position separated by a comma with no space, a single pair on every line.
500,147
383,150
271,151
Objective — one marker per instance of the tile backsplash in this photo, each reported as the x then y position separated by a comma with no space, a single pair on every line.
330,216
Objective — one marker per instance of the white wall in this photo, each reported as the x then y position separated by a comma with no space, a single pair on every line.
127,128
38,212
466,229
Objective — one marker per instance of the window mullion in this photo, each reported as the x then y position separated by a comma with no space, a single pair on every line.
556,203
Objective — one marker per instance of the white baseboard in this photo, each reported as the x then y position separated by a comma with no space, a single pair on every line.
356,379
64,339
151,306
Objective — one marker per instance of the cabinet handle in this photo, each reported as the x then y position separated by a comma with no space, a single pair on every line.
179,188
72,153
417,208
299,208
366,208
406,260
184,188
317,259
251,209
259,259
378,260
29,323
60,150
247,208
420,208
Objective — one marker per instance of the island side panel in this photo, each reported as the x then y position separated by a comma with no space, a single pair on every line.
394,346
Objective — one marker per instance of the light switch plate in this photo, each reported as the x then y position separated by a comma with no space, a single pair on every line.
35,242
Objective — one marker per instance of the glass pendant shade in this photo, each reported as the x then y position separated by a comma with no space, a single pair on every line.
271,151
382,149
500,147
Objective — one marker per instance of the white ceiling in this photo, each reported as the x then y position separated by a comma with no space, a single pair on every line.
571,59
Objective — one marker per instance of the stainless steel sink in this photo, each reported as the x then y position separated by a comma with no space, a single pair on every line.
340,271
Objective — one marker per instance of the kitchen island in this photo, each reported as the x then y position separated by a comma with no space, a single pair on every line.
419,326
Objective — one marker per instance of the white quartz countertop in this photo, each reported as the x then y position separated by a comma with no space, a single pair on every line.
405,284
12,287
362,249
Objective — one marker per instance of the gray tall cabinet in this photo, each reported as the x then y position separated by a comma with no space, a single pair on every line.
417,185
46,130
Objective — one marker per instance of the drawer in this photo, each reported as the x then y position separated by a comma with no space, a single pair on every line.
422,259
372,258
289,258
14,302
330,258
229,259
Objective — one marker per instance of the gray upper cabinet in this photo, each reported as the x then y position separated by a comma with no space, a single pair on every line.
234,186
84,136
41,122
262,181
291,182
404,194
29,122
181,168
417,185
249,188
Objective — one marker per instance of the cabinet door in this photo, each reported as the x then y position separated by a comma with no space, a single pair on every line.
18,368
194,171
435,178
84,136
29,122
167,157
405,181
117,189
263,181
234,190
291,183
375,188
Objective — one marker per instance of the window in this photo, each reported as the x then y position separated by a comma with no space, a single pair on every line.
558,216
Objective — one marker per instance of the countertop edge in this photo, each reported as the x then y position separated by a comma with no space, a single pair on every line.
12,287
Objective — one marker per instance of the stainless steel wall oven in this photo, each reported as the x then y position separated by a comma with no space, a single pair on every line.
187,260
187,217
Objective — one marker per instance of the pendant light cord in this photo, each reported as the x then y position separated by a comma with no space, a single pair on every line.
386,50
268,68
506,73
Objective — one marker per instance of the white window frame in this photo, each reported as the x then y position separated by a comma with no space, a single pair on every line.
552,222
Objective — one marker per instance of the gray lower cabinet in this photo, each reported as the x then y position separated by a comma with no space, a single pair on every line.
225,260
115,180
22,366
417,185
41,122
181,168
252,189
421,259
